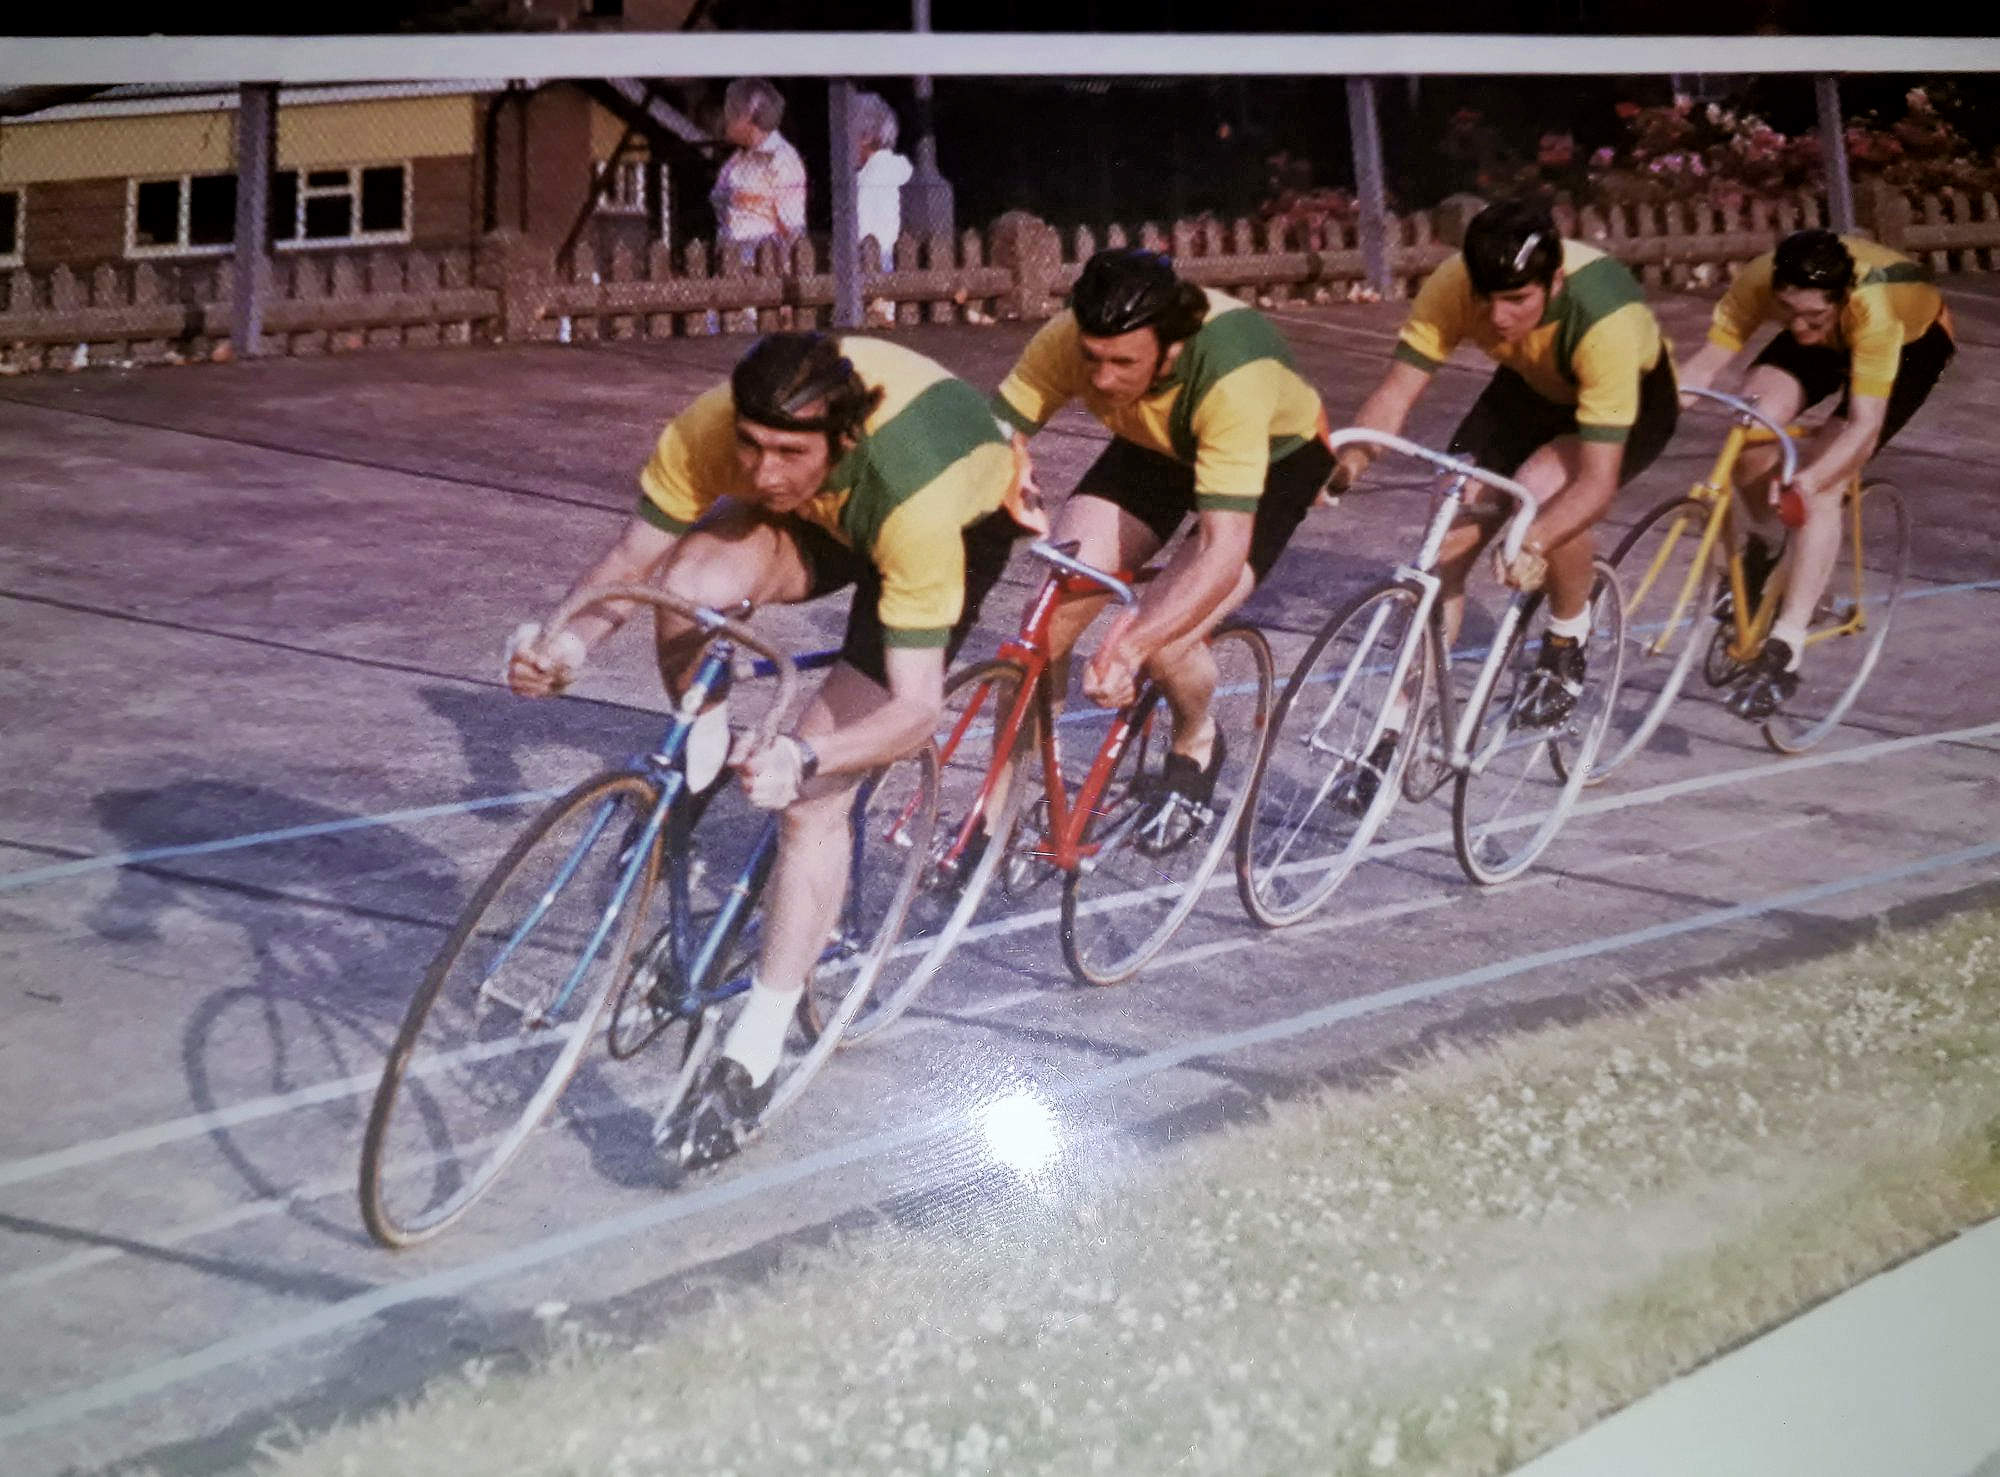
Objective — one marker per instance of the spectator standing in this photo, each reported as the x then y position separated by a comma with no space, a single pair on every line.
760,194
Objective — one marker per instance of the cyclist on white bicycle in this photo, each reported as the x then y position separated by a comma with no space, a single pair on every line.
822,463
1858,318
1209,418
1582,403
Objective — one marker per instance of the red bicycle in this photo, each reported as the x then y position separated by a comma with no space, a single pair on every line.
1132,867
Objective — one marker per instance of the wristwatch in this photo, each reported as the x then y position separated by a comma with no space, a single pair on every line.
808,759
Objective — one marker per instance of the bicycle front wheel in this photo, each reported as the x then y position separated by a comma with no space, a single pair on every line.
1852,621
1144,865
890,825
1520,780
1669,604
962,859
508,1008
1332,767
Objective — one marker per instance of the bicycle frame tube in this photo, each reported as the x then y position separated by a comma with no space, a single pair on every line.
1489,677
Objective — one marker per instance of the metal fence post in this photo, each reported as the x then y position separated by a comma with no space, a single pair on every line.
1833,153
256,149
1365,126
927,199
846,206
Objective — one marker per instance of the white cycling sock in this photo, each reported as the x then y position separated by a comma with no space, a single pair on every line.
707,747
757,1039
1794,636
1571,627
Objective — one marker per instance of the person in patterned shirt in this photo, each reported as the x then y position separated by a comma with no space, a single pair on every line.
760,194
1583,401
823,463
1857,318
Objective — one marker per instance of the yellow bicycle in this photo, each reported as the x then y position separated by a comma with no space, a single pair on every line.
1672,561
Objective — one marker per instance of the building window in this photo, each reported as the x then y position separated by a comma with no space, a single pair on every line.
194,214
626,194
357,205
10,228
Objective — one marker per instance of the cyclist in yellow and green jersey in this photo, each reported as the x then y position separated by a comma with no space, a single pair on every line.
823,463
1209,418
1583,402
1856,318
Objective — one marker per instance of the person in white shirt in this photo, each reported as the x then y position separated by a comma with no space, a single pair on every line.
760,194
883,173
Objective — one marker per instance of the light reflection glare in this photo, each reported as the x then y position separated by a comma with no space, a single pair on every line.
1021,1132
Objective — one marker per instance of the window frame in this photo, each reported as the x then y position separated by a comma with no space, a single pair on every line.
134,248
302,192
15,257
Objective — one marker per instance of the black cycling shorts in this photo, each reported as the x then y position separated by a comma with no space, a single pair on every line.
834,566
1510,422
1159,491
1821,369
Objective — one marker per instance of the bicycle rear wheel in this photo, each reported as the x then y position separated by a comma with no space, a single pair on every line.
953,880
1669,604
507,1008
1320,791
1520,782
1852,622
1134,888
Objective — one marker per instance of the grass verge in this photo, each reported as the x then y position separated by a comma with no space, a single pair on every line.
1447,1274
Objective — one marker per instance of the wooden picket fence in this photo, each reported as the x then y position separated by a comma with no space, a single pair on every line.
506,288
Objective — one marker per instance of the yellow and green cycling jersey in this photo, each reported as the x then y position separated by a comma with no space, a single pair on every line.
1232,404
1892,303
1597,338
929,462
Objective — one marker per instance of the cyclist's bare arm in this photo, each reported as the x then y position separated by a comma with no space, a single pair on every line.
866,727
1582,500
639,551
1839,458
1200,576
1385,410
1701,369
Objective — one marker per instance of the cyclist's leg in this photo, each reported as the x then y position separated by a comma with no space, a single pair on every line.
1185,669
735,553
1818,544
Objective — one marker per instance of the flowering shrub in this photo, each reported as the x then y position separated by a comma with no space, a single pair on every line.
1719,155
1292,199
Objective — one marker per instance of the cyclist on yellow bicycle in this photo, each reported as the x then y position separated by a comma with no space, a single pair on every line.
1582,403
1858,318
1207,417
822,463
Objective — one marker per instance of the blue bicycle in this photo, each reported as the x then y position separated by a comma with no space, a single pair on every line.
559,930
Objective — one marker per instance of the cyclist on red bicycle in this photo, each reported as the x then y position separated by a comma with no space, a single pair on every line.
1858,318
822,463
1207,417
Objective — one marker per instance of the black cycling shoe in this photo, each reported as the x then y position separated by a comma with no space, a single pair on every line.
953,876
1766,685
1550,694
1178,806
1357,791
717,1117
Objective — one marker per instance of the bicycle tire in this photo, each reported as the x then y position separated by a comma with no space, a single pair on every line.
1340,687
1657,661
1806,720
941,909
1580,734
558,905
1094,894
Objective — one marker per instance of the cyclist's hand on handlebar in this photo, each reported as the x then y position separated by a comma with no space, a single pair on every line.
772,773
1524,572
1111,679
1347,470
539,667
